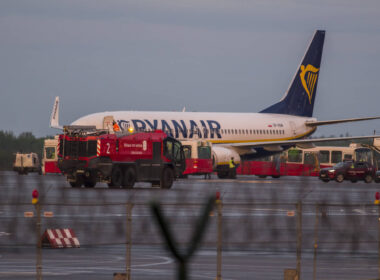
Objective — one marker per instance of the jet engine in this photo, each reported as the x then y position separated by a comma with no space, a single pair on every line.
220,159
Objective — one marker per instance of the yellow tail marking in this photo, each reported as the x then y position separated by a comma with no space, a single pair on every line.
311,78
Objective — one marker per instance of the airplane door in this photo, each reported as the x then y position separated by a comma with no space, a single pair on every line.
108,122
293,127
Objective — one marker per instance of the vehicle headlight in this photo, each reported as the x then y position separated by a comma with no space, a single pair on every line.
331,171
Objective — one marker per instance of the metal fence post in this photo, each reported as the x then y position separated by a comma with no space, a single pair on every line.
315,241
378,239
219,245
299,238
39,242
128,241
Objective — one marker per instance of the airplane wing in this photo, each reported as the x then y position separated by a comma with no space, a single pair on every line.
278,146
318,123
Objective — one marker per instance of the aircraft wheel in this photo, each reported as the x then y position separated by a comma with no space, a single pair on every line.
155,184
77,183
89,183
222,174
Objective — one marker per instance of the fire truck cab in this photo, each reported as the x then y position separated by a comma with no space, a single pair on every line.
88,156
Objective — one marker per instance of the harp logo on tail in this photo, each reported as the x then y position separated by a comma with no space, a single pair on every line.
309,75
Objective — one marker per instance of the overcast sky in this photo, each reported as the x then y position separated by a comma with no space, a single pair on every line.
207,55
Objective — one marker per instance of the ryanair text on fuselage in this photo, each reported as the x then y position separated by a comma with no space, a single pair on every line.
177,129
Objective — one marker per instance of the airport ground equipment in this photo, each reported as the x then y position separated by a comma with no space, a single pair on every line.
25,163
50,156
221,157
60,238
87,156
198,157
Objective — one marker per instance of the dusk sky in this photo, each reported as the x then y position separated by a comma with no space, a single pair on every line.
209,55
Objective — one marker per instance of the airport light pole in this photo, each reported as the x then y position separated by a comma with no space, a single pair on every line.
128,241
36,203
315,241
377,202
219,245
299,238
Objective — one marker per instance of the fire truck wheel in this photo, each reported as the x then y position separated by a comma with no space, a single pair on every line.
129,178
116,177
167,178
89,183
77,183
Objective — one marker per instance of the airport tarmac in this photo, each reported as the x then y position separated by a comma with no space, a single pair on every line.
259,228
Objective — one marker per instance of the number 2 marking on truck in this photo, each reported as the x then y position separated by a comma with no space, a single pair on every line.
108,148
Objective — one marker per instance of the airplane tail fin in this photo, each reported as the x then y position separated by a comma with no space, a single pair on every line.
299,98
54,118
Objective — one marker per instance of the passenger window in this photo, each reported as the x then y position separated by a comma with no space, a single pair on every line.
187,151
50,153
324,156
204,152
309,158
294,155
336,156
347,157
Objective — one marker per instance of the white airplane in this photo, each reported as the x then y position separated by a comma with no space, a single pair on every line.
239,135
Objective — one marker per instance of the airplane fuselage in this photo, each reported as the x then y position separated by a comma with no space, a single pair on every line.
214,127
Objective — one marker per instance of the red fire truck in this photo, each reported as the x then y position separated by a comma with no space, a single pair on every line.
88,156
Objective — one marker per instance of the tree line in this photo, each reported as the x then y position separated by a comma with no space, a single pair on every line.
10,144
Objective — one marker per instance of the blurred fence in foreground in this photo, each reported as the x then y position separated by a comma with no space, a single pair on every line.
246,224
266,227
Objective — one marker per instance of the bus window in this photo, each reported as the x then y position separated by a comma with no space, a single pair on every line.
324,156
50,153
309,158
204,152
294,155
187,151
363,154
347,157
336,156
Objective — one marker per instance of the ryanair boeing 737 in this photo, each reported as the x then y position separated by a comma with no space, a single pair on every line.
241,135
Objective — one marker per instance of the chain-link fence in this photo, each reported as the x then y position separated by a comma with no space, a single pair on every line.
295,228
